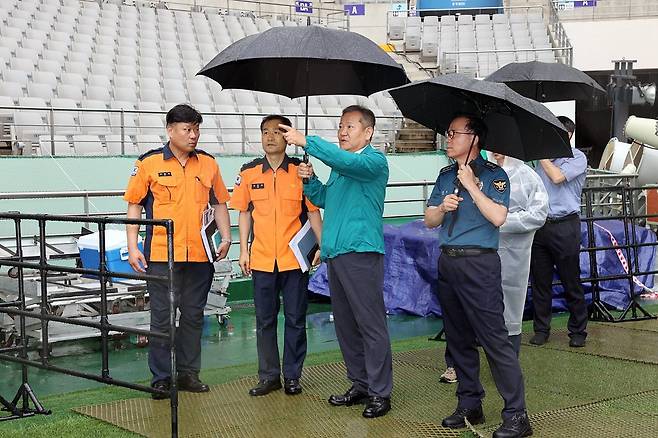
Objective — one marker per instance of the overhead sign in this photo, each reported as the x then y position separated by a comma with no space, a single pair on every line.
458,4
584,4
303,7
355,9
565,6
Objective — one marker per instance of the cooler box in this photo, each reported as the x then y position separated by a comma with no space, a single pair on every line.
116,252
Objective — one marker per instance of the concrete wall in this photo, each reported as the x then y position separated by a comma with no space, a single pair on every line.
597,43
373,24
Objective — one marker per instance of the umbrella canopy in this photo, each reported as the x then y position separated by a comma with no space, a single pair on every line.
517,126
547,81
305,60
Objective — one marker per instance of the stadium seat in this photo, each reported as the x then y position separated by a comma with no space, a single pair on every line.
88,145
62,146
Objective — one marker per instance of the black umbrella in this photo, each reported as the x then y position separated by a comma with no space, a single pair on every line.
517,126
305,61
547,81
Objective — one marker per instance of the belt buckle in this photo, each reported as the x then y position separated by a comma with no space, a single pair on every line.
455,252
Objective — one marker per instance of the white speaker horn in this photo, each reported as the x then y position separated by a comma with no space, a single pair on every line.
642,130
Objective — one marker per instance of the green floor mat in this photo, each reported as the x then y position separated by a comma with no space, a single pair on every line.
607,388
634,341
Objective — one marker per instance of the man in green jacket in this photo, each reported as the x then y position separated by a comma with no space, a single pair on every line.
353,247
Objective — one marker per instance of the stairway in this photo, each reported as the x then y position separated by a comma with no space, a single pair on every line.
414,137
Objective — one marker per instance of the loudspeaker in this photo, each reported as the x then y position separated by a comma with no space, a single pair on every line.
642,130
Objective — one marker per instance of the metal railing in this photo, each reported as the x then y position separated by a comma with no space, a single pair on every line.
558,34
626,252
44,265
606,10
251,8
453,61
124,124
507,10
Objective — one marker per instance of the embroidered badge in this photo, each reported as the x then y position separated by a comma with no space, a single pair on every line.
257,186
238,180
500,185
164,173
134,171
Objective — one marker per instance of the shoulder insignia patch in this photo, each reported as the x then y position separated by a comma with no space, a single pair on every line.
491,166
500,185
448,168
134,171
238,180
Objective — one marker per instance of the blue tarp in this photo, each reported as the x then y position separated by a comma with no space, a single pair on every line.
411,268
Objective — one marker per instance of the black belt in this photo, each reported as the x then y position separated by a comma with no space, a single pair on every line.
556,220
461,251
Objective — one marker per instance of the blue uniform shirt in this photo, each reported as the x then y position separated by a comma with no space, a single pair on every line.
471,229
564,198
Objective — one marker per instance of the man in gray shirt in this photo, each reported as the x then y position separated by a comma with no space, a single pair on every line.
557,244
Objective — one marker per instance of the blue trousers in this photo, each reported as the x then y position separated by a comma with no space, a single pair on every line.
192,281
471,298
293,286
356,281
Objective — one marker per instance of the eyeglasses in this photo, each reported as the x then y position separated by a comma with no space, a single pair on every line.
450,133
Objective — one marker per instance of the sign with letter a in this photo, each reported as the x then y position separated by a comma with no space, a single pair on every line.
357,9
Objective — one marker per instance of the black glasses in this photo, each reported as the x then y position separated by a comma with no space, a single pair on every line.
450,133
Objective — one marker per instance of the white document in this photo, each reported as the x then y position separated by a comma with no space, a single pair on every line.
210,234
304,245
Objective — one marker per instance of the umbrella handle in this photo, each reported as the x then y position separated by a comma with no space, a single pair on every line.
305,160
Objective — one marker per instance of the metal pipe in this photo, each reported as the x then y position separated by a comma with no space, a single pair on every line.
105,369
21,319
44,290
83,323
172,329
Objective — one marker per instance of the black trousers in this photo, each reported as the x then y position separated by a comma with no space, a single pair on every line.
471,297
558,244
356,282
192,281
293,286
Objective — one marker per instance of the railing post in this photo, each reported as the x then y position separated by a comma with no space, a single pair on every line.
123,133
43,276
52,131
102,267
243,131
85,207
424,195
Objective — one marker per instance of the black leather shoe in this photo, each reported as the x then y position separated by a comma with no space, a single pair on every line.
292,386
352,397
377,407
161,385
577,341
456,420
264,387
514,427
190,382
539,338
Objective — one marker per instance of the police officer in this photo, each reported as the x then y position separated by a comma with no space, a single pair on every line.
177,181
269,196
470,200
557,244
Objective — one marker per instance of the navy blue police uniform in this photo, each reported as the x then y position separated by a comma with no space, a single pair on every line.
470,290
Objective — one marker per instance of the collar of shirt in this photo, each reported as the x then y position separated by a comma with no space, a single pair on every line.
361,150
168,154
284,164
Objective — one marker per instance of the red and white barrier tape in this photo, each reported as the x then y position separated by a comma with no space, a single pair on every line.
622,258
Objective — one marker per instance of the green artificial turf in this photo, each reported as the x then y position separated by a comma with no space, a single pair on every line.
554,379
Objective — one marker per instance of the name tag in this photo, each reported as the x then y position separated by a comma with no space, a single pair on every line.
164,173
257,186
